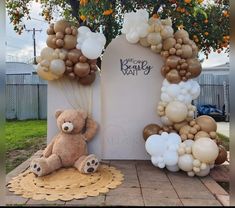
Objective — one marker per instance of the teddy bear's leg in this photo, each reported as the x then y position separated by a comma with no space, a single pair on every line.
87,164
43,166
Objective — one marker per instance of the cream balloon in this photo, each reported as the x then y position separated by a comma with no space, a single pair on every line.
204,172
45,74
57,66
172,168
46,53
176,111
185,162
205,150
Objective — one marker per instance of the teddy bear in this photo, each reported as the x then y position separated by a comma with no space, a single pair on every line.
69,147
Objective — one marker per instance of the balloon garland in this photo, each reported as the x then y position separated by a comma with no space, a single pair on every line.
182,143
70,52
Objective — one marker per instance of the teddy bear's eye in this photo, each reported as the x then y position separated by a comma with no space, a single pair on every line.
64,121
69,121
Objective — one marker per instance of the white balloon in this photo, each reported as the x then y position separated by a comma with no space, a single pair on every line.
175,138
188,142
161,165
185,162
57,66
173,90
165,97
83,30
91,49
171,158
165,121
204,172
155,145
173,168
132,37
142,30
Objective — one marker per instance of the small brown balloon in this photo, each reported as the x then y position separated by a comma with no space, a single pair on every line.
150,130
88,80
74,55
184,130
60,43
68,31
50,31
92,61
194,67
222,157
172,61
74,32
82,69
71,75
187,51
83,59
207,123
59,35
68,63
178,126
69,69
173,76
93,67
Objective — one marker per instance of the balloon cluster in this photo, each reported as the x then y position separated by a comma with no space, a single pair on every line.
71,52
182,142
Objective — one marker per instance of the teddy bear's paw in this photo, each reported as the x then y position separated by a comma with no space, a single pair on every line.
91,164
37,167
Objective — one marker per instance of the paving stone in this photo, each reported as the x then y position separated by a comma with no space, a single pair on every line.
165,192
44,202
224,199
124,200
136,192
89,201
213,187
15,200
200,202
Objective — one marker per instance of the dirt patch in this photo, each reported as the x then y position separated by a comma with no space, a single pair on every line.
17,156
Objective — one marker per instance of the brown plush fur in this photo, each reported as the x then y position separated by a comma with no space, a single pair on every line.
69,147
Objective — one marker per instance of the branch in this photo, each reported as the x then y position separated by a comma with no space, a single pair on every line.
75,10
157,6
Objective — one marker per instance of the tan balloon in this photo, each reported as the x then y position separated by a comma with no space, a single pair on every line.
169,43
45,63
181,34
187,51
173,76
57,66
68,30
154,38
59,43
46,53
144,42
70,41
185,129
45,74
74,55
178,126
201,134
167,32
60,26
205,150
156,48
82,69
150,129
206,123
59,35
172,61
50,43
88,80
176,111
194,67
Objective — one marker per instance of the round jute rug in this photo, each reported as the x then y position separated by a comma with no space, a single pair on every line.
66,184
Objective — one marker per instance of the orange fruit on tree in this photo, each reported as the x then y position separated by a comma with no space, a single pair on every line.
187,1
206,21
206,33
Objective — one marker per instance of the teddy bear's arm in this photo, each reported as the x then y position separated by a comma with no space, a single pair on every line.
48,151
91,129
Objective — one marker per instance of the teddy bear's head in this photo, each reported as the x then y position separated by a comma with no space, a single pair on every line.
71,121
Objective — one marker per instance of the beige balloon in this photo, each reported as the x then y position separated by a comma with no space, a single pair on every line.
154,38
176,111
181,34
169,43
46,53
201,134
185,162
57,66
70,41
205,150
187,51
167,32
50,43
60,26
144,42
44,74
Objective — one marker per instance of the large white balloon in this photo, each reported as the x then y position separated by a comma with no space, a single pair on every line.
170,158
57,66
173,168
185,162
91,49
155,145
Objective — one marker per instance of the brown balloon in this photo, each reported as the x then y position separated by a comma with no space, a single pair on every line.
150,130
187,51
68,62
82,69
181,34
172,61
83,59
194,67
50,43
207,123
60,26
71,75
89,79
68,30
60,43
173,76
222,157
70,41
50,31
169,43
74,55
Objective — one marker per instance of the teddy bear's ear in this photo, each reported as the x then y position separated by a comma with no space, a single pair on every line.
83,113
57,113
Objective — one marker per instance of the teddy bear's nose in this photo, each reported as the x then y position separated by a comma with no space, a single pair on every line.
66,128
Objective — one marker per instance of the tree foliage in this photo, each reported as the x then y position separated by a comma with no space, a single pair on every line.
207,23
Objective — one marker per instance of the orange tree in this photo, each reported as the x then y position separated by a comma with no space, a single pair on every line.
207,23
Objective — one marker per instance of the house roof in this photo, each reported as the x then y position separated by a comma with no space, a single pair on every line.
221,67
19,68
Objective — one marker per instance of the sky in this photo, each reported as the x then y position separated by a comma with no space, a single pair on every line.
20,47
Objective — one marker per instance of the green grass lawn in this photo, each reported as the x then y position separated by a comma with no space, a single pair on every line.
23,139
